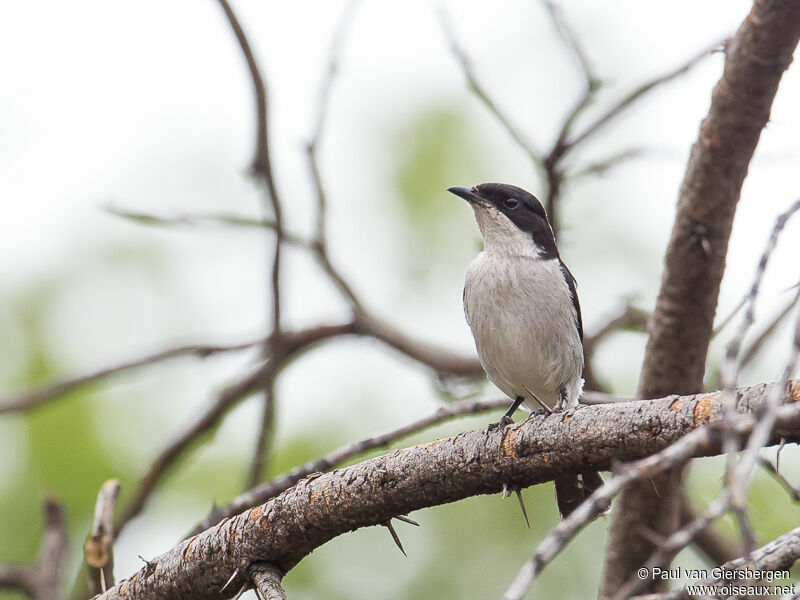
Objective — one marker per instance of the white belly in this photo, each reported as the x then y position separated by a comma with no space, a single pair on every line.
523,321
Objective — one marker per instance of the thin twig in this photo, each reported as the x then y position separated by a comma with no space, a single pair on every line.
262,163
261,493
292,344
98,549
730,369
204,220
323,102
536,156
266,580
778,555
320,246
266,432
639,92
753,349
602,166
207,421
39,396
773,470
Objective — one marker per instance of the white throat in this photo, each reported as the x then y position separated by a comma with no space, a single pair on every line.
501,236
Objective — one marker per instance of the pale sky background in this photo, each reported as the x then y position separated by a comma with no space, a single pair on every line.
148,106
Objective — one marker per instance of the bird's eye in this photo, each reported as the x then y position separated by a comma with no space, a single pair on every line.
511,203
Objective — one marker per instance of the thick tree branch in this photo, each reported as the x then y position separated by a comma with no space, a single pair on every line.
266,491
682,322
323,506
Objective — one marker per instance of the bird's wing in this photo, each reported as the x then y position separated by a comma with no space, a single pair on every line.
464,303
575,302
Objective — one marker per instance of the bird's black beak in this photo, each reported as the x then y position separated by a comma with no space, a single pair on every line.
471,195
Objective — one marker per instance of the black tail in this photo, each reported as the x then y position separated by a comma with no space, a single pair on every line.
572,490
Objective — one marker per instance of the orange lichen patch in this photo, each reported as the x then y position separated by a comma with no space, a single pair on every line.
703,409
566,417
433,444
254,514
794,390
544,457
188,548
508,443
676,405
320,493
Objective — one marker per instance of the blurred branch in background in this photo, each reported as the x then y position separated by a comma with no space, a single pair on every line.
44,579
551,163
776,556
262,168
98,549
34,398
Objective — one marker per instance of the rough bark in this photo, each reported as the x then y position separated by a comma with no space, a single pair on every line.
682,323
323,506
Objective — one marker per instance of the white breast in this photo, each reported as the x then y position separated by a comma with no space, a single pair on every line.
523,320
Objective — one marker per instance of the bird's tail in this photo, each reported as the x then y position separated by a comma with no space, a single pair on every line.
572,490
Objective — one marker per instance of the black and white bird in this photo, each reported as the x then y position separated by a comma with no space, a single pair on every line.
522,307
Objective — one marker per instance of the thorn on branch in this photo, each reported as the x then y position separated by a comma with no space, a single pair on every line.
395,537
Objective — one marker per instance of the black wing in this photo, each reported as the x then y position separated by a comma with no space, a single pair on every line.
575,302
464,303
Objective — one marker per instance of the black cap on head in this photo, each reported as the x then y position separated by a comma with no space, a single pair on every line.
521,207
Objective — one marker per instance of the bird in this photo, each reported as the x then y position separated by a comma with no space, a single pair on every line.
521,303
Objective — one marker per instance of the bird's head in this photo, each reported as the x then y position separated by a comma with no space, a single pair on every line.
511,220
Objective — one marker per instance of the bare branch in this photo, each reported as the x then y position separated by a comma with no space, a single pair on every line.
267,581
98,549
571,40
204,220
773,470
629,318
435,358
39,396
264,439
536,156
43,580
682,323
716,548
601,167
739,476
755,347
636,94
291,345
730,368
323,101
778,555
320,247
323,506
266,491
262,163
